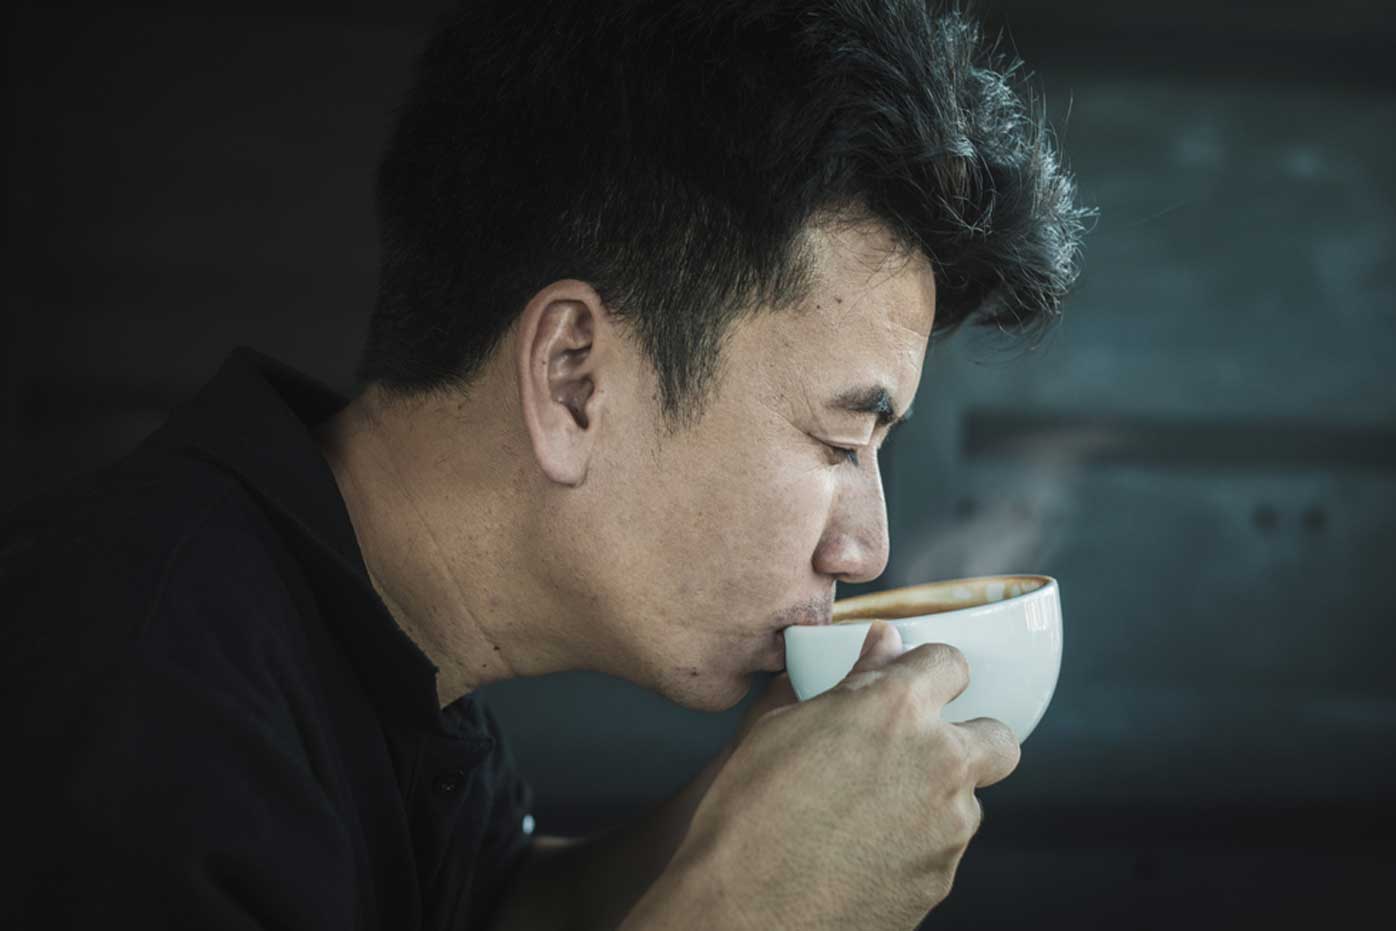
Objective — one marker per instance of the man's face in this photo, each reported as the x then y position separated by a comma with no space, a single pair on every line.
725,533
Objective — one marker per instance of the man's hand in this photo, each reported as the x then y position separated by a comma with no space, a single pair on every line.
852,809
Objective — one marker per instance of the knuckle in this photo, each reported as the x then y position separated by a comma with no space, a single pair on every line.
951,658
960,663
1005,744
939,886
961,818
901,701
953,752
966,824
1013,751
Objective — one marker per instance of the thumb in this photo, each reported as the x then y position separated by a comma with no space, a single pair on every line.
882,645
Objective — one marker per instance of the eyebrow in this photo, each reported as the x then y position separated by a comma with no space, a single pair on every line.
871,399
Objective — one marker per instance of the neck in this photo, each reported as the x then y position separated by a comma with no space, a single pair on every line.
440,538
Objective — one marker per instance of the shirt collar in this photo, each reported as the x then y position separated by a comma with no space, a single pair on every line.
254,419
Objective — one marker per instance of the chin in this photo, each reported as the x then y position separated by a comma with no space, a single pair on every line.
709,691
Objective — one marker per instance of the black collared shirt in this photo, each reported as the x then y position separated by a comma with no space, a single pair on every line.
219,724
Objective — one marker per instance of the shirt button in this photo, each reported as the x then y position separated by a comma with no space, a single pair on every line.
449,781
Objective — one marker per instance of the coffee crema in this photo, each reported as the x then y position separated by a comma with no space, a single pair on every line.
893,614
934,598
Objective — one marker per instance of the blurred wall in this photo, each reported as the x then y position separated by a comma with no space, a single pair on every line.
1202,452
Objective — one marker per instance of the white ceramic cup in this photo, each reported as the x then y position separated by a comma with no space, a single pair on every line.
1009,627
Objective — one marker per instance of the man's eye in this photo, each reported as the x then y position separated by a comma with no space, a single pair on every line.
842,453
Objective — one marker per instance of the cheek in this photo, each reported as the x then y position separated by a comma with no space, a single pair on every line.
763,523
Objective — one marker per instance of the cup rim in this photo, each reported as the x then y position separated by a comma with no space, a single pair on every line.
874,605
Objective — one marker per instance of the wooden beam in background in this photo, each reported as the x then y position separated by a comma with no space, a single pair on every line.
1065,439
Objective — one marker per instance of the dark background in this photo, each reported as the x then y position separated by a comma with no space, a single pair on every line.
1203,452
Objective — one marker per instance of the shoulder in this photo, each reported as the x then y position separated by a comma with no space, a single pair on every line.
149,641
105,525
119,556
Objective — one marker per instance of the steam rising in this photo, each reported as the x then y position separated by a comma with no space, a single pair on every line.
1016,531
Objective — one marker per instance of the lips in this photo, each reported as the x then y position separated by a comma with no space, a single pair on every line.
817,618
775,658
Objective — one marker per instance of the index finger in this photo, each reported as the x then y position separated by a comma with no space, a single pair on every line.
939,670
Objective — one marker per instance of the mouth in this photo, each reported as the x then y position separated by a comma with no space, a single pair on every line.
810,614
816,612
775,656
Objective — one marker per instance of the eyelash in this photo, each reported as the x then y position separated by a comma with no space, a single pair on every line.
844,453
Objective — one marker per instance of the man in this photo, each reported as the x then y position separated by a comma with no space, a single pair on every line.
658,280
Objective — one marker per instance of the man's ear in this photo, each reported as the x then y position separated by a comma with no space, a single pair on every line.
557,364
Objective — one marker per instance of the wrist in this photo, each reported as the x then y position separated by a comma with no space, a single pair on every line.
688,894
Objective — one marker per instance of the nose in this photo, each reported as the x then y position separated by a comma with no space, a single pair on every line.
854,547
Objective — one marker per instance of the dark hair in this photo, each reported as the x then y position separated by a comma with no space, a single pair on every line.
673,154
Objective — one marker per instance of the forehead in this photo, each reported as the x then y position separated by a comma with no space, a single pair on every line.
866,286
866,321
